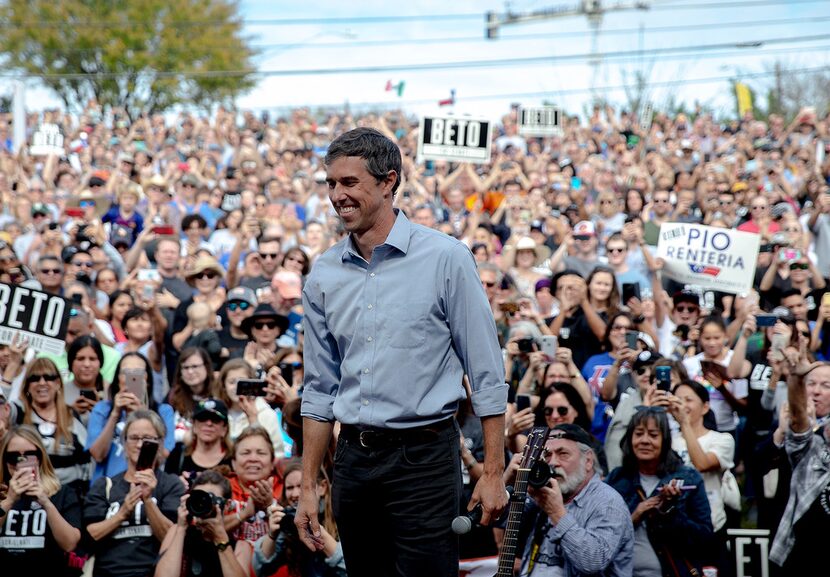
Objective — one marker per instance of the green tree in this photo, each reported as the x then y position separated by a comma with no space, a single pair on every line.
139,55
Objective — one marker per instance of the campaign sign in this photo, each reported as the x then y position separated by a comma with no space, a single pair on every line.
750,547
458,139
646,118
47,140
714,258
40,317
540,121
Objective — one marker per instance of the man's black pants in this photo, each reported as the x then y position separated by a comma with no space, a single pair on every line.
394,503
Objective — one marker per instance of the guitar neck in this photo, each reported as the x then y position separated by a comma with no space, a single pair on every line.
507,555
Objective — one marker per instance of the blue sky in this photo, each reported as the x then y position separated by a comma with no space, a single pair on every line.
563,82
489,91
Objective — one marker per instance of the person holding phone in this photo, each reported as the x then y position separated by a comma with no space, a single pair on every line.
131,391
39,517
667,499
144,327
85,357
127,515
192,381
64,435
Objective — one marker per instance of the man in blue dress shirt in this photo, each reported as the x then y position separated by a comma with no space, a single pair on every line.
395,316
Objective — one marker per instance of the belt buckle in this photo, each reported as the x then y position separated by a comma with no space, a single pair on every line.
365,439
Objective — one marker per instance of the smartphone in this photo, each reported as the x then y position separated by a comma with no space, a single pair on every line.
147,455
767,320
522,402
631,339
779,342
548,346
148,292
149,275
630,290
164,230
789,254
250,388
663,377
89,395
74,212
287,372
135,382
825,299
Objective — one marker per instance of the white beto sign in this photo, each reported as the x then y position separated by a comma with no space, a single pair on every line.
40,317
646,118
540,121
715,258
453,138
47,140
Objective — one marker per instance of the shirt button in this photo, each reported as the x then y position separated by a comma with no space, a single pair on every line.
369,307
370,339
365,371
365,402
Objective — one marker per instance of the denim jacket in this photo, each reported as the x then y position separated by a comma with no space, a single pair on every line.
681,535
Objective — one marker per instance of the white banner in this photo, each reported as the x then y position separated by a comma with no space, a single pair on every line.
40,317
540,121
714,258
454,138
47,140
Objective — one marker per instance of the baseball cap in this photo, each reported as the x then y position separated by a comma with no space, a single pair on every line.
645,358
242,293
288,284
40,208
686,297
584,228
210,407
542,283
572,433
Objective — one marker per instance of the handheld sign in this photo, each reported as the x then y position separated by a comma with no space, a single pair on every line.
40,317
646,118
540,121
454,138
714,258
47,140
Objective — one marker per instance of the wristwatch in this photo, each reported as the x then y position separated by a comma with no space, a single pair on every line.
222,546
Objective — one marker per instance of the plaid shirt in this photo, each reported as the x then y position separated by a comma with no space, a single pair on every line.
810,458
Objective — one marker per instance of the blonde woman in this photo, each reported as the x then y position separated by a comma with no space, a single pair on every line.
39,518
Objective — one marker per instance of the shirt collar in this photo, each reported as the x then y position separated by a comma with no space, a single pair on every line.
398,237
584,493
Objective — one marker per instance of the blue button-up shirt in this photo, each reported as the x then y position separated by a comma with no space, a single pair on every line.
387,342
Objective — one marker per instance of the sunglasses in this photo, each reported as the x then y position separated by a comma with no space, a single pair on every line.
31,379
645,409
215,419
269,255
265,325
582,237
799,266
50,271
15,457
616,249
642,370
562,411
682,309
241,305
206,275
86,203
489,284
663,200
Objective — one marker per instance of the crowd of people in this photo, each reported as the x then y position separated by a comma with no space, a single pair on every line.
184,247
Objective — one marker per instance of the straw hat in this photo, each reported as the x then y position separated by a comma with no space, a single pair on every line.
202,264
102,203
526,243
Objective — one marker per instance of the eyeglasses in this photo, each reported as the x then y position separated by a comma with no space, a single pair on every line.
210,275
240,305
642,370
141,438
49,377
799,266
15,457
265,325
269,255
682,309
86,203
616,249
561,411
50,271
193,367
84,263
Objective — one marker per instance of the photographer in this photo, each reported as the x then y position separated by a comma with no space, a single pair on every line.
198,544
280,549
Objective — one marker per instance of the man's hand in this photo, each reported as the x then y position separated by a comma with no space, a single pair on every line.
490,492
549,498
306,520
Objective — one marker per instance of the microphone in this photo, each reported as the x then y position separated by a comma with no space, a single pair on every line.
463,524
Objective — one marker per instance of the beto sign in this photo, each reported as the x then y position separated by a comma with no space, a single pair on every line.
40,317
540,121
458,139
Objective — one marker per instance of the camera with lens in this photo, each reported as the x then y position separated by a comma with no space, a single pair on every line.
540,473
287,523
200,504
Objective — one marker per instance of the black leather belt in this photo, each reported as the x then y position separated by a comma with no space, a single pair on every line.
376,438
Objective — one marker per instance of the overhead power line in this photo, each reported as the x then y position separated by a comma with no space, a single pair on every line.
398,68
301,21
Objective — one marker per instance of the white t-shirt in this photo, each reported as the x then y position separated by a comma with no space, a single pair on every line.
725,417
723,446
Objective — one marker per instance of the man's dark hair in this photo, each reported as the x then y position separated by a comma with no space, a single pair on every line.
557,276
211,477
380,153
189,219
791,292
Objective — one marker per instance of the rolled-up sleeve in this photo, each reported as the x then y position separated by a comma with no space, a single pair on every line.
474,333
321,357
